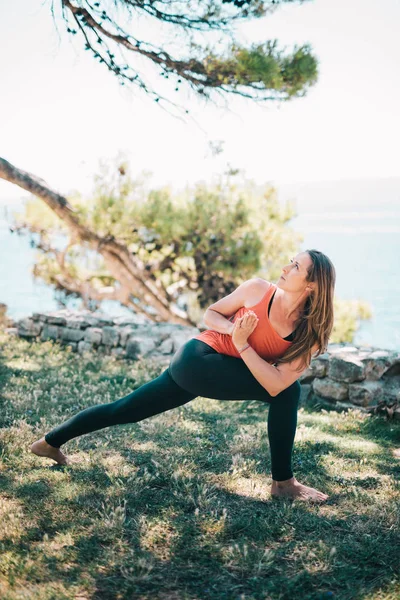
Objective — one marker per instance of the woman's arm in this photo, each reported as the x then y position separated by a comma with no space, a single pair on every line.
218,314
267,375
218,322
273,379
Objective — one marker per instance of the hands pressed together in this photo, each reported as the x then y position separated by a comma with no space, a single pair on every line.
243,328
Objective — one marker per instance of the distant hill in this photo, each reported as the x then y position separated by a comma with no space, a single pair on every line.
343,195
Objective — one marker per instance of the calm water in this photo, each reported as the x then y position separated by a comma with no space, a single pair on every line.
18,289
363,245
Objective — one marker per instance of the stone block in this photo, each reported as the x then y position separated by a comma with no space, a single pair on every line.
305,392
180,338
328,388
391,388
377,364
367,393
84,346
166,347
104,321
346,368
93,335
77,323
28,328
317,368
54,319
110,336
394,368
38,317
125,333
139,346
93,321
71,335
50,332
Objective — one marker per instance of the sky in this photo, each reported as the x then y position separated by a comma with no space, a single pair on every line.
62,112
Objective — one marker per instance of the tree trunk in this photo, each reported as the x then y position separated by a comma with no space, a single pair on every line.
124,267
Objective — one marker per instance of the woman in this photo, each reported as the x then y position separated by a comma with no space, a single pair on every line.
262,337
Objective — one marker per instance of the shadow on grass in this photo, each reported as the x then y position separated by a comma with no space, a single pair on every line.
209,566
376,429
208,555
162,532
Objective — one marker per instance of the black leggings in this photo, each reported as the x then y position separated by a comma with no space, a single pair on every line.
196,370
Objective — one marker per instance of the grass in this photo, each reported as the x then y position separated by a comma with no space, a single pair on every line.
178,506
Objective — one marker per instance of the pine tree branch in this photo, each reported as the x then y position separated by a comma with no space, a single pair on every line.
259,73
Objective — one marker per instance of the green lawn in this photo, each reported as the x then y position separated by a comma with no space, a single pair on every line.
178,506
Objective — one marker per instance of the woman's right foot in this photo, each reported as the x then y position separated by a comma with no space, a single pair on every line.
42,448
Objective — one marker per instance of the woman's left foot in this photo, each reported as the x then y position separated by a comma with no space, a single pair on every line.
292,489
42,448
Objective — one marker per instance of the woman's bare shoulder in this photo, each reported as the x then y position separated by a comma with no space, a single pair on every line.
257,291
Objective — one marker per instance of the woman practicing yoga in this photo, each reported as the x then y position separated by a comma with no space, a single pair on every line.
262,337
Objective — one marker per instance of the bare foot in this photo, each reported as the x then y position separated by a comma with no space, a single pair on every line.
42,448
292,489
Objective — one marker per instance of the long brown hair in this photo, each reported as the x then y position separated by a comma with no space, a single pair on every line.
315,323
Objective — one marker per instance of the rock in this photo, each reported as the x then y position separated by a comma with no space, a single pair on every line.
179,338
166,347
139,346
306,390
125,332
50,332
377,364
110,336
38,317
77,323
327,388
317,368
391,388
72,335
103,320
54,319
28,328
366,393
394,369
84,346
93,335
346,368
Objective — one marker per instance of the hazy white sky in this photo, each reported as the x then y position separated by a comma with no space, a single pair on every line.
61,112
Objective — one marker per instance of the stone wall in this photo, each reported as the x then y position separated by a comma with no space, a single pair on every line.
133,337
345,376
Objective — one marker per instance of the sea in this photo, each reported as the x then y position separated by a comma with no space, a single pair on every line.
355,222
